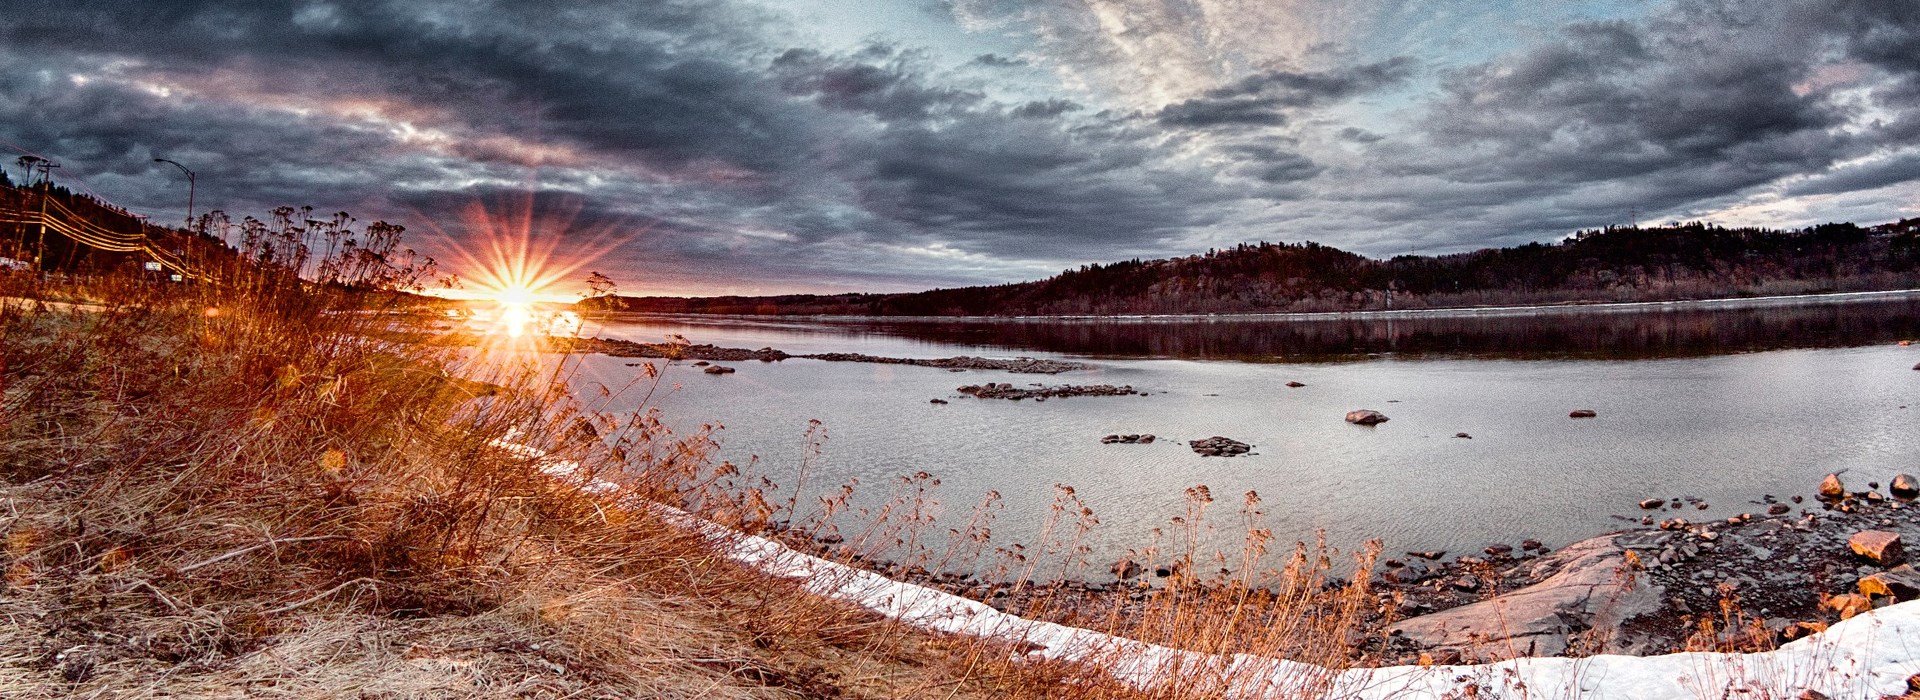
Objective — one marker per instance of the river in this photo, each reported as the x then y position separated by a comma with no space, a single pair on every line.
1723,403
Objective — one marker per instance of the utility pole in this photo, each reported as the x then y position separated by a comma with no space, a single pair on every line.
191,185
46,193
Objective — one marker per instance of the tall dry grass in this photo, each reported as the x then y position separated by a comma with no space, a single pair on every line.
266,486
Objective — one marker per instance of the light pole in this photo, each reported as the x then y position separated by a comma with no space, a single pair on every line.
190,188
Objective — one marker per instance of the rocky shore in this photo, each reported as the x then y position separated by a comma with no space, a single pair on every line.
714,353
1755,580
1038,392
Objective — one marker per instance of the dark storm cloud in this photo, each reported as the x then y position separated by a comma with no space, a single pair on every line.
681,115
992,60
745,155
1264,99
888,92
1865,176
1676,113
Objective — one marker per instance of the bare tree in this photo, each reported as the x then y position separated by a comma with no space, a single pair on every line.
601,285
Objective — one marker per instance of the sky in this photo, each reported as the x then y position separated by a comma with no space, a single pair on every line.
782,146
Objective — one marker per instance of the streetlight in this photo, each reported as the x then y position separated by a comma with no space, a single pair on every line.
190,188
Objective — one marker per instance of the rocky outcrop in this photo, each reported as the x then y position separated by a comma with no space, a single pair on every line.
1593,590
1901,583
1366,417
684,351
1217,446
1010,392
1019,365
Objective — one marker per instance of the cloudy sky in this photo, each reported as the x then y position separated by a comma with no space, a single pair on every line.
765,146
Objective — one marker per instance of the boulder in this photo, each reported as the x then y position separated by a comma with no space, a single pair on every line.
1779,509
1295,385
1847,605
1831,488
1429,555
1882,546
1652,504
1803,629
1412,572
1587,590
1126,569
1583,413
1463,435
939,401
1902,583
1217,446
718,369
1467,583
1366,417
1904,486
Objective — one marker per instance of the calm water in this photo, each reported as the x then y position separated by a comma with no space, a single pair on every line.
1724,404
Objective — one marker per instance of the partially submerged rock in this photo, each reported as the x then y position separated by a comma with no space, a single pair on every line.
1831,488
1366,417
1010,392
1904,486
1127,440
719,369
1583,413
1594,587
1217,446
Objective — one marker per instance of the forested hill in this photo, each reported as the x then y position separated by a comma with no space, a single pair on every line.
1687,261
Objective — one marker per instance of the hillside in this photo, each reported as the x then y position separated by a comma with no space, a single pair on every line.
1685,261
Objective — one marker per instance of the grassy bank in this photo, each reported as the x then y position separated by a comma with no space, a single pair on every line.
246,492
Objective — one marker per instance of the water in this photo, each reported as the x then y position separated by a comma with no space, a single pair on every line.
1724,404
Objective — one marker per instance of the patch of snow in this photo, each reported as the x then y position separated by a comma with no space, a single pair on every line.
1868,656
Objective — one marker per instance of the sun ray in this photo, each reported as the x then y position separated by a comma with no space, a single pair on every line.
515,253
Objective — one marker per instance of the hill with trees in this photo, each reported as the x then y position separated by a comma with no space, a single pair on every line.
1614,264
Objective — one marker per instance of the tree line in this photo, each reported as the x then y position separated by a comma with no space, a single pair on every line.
1694,260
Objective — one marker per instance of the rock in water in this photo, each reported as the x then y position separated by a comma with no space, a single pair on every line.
719,369
1652,503
1831,488
1779,509
1366,417
1904,486
1217,446
1583,413
1295,385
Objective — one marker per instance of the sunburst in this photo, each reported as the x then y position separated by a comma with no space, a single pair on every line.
514,256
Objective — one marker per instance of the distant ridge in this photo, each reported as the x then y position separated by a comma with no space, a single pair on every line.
1614,264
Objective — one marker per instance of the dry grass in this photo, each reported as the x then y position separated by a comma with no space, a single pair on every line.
269,487
242,491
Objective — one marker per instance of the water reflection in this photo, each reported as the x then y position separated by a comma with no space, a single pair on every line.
1594,333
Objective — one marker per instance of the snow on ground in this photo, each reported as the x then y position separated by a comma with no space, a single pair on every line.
1869,656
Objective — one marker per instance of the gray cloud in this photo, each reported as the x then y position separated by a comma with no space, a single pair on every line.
1266,99
738,156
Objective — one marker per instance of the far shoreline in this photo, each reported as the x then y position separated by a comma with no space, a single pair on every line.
1559,308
